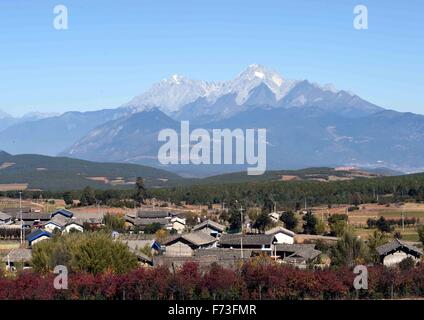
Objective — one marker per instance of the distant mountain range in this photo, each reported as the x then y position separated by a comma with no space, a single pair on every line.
307,125
6,120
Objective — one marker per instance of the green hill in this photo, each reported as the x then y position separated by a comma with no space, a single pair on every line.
30,171
60,173
314,174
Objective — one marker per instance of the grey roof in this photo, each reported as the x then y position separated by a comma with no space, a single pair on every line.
204,262
30,215
16,210
196,238
211,224
153,214
280,230
130,218
307,254
223,253
137,221
4,216
298,253
78,222
59,220
16,255
137,244
285,247
396,245
142,257
147,221
248,239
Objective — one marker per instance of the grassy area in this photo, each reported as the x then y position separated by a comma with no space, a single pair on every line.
410,237
9,245
409,234
398,213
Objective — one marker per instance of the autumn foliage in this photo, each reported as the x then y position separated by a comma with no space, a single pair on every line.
253,280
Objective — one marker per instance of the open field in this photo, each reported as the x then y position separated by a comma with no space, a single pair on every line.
13,186
358,218
408,234
9,245
41,205
372,210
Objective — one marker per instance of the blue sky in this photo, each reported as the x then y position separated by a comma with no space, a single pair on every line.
113,50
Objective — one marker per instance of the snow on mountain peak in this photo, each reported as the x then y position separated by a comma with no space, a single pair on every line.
256,74
177,79
171,94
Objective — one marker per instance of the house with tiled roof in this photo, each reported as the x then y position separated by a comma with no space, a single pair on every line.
185,244
282,235
38,235
394,252
63,212
263,242
210,227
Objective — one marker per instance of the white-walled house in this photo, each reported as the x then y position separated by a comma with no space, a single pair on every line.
281,235
178,224
57,222
63,224
210,227
37,236
51,227
73,225
185,244
394,252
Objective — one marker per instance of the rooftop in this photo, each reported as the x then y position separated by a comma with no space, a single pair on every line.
280,230
196,238
248,239
4,216
396,245
36,234
153,214
209,223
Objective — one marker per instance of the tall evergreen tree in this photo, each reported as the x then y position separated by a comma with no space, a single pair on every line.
140,193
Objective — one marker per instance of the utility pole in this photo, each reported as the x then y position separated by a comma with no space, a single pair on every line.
20,212
403,220
241,237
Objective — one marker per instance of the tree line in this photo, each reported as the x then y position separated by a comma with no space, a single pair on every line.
287,195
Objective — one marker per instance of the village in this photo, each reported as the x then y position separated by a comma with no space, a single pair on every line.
161,234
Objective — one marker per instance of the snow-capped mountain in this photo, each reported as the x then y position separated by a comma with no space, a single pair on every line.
183,98
308,124
170,95
254,76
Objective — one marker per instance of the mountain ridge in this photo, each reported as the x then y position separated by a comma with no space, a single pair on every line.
308,124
